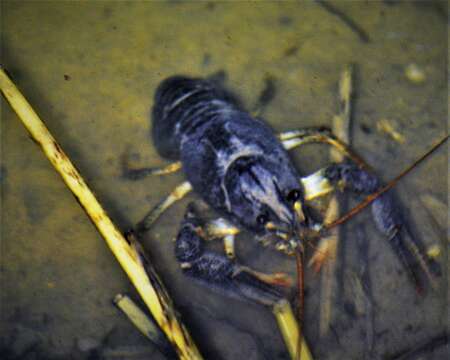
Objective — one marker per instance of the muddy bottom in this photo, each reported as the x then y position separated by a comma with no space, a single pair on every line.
90,70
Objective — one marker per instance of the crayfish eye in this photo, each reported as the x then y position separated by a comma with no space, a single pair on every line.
293,196
262,219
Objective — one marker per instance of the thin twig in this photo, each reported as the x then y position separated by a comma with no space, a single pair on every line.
290,330
341,128
364,285
345,19
145,279
144,324
418,351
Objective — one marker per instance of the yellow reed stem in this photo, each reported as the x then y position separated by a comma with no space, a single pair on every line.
145,279
290,331
329,244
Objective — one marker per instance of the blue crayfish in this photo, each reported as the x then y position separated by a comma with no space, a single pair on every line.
242,170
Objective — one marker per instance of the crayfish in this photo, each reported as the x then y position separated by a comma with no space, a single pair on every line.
242,170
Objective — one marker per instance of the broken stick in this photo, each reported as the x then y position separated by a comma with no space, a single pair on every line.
145,279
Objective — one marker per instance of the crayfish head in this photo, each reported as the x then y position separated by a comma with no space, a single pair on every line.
267,202
291,235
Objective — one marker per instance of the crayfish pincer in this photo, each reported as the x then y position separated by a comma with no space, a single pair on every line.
242,170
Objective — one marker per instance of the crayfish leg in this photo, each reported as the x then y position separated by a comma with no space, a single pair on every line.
294,138
177,194
223,229
134,174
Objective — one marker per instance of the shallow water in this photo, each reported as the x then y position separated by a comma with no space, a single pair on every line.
90,70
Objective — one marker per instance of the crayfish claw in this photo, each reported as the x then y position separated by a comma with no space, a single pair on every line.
220,273
388,220
257,287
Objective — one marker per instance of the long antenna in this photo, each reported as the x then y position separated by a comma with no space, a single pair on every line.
301,298
372,197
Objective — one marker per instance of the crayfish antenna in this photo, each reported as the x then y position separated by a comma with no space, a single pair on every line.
301,299
372,197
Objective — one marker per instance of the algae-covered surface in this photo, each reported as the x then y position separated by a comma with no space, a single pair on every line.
90,70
